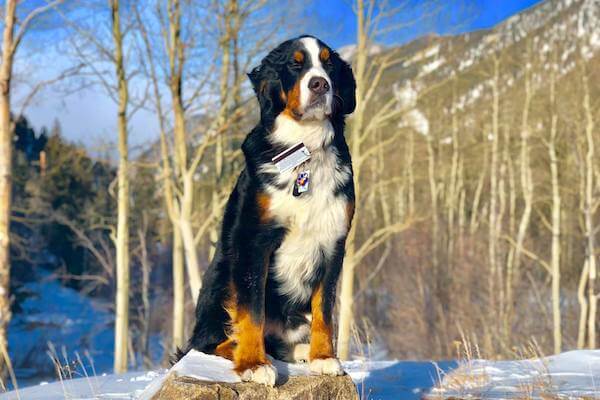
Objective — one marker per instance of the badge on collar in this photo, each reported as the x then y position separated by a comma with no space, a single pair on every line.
291,157
302,182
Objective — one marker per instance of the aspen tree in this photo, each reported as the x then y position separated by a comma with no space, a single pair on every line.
12,36
368,74
556,214
590,204
122,235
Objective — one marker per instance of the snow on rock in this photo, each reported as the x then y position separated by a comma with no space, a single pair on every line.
384,380
575,374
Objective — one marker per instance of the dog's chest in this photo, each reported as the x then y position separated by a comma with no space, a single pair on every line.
314,221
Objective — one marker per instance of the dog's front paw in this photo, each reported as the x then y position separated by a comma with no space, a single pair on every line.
264,374
326,366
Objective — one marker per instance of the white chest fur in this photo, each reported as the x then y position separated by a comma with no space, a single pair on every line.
314,221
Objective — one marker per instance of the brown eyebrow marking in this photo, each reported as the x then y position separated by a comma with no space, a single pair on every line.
324,54
299,56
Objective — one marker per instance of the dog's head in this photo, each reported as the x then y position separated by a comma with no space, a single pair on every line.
305,79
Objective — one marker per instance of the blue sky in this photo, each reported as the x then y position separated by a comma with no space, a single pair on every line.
89,117
336,19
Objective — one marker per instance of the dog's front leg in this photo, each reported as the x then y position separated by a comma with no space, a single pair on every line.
322,356
248,318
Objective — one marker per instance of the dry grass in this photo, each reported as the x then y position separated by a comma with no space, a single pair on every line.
11,371
67,369
471,381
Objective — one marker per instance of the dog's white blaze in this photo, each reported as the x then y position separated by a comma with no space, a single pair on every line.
315,221
312,48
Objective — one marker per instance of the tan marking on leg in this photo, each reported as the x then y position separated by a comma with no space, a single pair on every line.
263,202
249,351
231,306
225,349
321,343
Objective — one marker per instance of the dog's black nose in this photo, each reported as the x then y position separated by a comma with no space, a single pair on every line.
318,85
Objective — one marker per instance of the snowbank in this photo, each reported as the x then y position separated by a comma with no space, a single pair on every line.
375,380
575,374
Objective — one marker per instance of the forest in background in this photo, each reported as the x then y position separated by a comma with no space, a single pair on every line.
475,159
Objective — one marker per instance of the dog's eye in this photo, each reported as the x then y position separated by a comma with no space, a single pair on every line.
325,56
298,59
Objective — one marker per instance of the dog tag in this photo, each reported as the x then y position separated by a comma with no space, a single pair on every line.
302,182
291,157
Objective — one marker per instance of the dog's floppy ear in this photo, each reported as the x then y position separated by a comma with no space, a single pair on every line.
345,85
267,87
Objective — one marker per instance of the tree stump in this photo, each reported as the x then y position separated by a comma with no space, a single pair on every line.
290,388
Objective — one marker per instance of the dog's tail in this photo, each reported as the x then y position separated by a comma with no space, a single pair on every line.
177,355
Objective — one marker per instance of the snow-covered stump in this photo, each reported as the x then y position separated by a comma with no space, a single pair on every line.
206,377
292,388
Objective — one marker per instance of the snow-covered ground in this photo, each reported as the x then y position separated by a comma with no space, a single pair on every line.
572,375
73,322
54,316
375,380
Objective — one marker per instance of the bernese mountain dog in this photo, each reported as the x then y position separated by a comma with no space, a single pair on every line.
270,288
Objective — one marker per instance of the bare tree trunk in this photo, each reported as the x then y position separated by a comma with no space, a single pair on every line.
583,304
474,222
452,199
527,189
439,274
493,211
589,214
346,300
187,234
433,190
227,33
368,74
144,261
6,143
178,259
504,168
184,218
178,291
122,237
347,285
556,211
410,172
462,198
